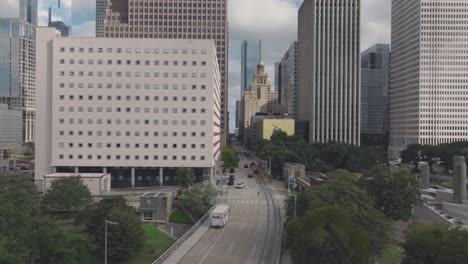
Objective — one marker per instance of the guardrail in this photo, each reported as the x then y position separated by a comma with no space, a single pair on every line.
181,240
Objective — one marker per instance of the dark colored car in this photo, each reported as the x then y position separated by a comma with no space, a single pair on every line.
246,166
250,176
231,177
231,182
231,170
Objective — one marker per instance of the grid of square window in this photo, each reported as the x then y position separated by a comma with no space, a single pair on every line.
117,104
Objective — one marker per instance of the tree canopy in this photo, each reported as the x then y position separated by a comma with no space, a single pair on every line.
353,202
184,177
69,194
29,236
327,235
125,238
201,196
317,157
435,244
395,194
230,157
442,154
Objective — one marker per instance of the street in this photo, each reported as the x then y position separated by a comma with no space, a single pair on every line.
253,233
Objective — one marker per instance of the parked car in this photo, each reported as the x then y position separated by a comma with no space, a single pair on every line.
231,182
240,185
231,170
250,175
232,177
246,166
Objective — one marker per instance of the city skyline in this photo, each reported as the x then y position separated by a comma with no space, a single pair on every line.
277,34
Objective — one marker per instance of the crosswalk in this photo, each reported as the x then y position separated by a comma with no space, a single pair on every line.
234,201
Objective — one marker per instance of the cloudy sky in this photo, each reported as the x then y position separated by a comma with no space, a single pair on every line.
272,21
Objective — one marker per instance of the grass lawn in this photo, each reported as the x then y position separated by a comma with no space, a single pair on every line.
179,217
182,197
391,255
156,243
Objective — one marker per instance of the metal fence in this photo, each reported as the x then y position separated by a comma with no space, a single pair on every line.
181,240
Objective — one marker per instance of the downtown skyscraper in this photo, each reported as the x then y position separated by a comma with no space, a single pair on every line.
375,82
429,87
28,11
17,70
171,19
329,70
250,52
58,15
288,90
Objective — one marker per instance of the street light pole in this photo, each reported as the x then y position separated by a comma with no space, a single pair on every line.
295,205
269,166
105,238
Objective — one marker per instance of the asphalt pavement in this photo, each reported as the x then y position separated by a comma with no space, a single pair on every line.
253,233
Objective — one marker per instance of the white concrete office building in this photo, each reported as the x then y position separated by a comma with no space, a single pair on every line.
329,70
135,108
429,89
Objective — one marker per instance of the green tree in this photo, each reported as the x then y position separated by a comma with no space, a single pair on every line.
184,177
327,235
67,194
342,174
354,202
28,236
454,249
125,238
201,196
423,244
19,209
394,193
435,244
230,157
54,244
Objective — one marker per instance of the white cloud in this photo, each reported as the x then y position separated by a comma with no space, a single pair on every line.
83,5
10,8
375,22
85,29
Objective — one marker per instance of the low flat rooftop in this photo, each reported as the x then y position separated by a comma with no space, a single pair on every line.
293,164
82,175
156,194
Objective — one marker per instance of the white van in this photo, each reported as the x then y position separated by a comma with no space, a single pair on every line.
220,215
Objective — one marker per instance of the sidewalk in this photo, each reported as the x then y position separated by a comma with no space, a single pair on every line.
177,255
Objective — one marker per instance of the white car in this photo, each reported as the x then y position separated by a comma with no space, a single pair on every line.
240,185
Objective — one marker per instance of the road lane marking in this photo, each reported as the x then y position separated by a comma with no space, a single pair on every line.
231,248
253,250
212,246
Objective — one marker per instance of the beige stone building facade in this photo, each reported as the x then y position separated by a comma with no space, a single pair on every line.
260,98
134,108
171,19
